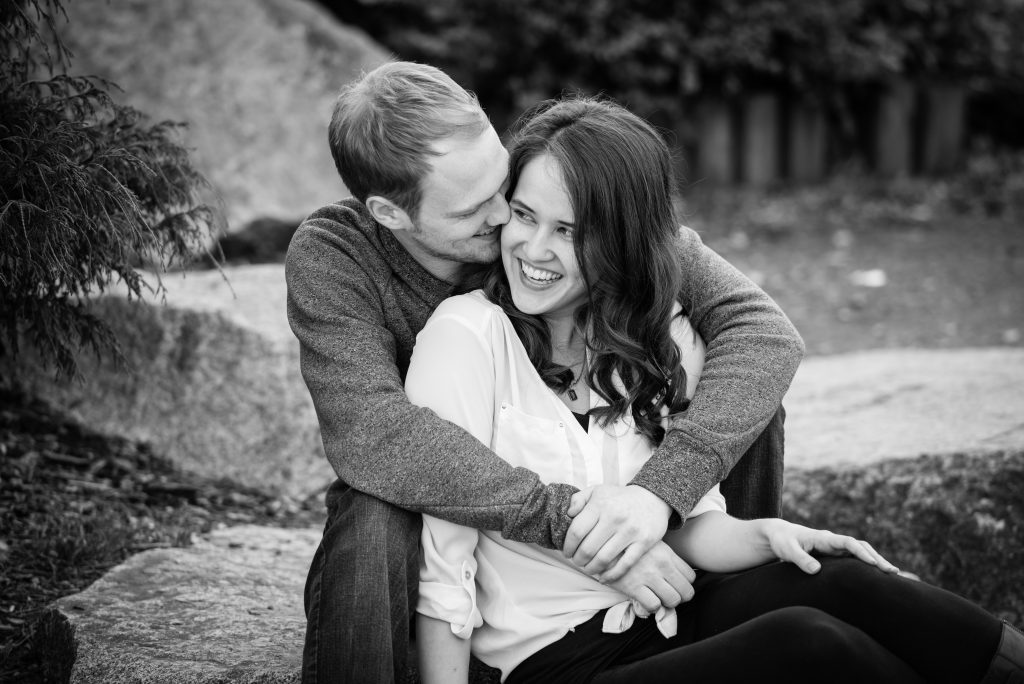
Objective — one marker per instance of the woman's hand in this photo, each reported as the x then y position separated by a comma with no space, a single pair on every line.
794,544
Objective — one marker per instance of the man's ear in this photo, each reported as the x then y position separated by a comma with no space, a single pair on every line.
387,213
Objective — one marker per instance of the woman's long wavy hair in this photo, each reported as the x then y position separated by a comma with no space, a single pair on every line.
619,175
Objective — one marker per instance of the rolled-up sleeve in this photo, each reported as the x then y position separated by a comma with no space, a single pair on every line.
452,373
448,575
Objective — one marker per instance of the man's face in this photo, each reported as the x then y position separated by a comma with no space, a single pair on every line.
463,205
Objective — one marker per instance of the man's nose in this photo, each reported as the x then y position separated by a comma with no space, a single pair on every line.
500,214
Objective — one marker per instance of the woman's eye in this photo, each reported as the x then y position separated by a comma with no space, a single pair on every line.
522,216
565,232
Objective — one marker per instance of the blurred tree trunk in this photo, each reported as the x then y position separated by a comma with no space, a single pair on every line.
807,142
892,143
760,161
715,141
943,127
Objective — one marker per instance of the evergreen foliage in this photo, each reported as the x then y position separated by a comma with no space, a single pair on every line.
88,189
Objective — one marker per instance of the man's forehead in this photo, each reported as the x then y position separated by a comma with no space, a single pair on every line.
467,170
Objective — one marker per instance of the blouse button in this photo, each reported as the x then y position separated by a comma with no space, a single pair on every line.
468,575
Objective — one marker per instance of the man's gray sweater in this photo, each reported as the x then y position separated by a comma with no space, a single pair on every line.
357,299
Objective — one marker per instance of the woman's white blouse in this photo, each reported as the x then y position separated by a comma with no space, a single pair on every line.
469,366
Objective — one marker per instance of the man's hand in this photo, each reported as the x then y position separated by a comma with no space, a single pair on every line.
612,528
659,578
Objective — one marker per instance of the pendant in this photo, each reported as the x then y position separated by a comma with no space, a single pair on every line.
572,394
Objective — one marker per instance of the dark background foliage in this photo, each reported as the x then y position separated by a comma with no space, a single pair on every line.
654,55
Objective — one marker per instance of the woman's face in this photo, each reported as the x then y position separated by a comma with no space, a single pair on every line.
536,244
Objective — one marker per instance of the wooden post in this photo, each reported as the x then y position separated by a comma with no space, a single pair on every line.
893,140
715,141
760,160
943,127
807,147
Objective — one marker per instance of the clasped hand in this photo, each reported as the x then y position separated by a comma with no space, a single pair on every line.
613,527
616,536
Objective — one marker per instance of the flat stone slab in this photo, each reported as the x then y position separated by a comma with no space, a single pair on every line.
855,409
227,609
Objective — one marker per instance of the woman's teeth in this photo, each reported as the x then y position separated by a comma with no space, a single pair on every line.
538,274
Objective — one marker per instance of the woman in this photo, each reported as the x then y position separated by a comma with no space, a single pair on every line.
567,362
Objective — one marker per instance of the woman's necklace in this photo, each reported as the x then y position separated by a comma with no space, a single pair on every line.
571,392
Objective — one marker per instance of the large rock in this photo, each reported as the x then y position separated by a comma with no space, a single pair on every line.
254,79
212,381
227,609
889,403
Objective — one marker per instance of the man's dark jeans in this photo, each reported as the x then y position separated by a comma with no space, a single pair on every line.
362,585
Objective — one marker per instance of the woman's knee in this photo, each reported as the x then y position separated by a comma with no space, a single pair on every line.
811,634
856,581
813,640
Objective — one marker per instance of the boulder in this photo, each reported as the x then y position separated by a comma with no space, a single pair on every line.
226,609
254,79
212,381
863,407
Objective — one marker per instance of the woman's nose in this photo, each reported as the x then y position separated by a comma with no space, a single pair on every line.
536,248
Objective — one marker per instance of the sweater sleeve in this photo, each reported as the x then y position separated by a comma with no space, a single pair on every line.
753,351
376,440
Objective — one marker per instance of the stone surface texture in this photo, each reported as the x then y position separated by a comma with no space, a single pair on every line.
212,65
213,381
892,403
227,609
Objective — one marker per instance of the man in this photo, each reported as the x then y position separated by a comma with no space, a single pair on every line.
428,174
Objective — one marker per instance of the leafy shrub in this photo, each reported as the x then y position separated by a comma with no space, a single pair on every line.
88,188
957,520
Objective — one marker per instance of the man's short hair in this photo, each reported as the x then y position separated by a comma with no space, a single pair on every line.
385,123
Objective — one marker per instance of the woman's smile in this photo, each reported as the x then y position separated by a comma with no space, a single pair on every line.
537,244
538,276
